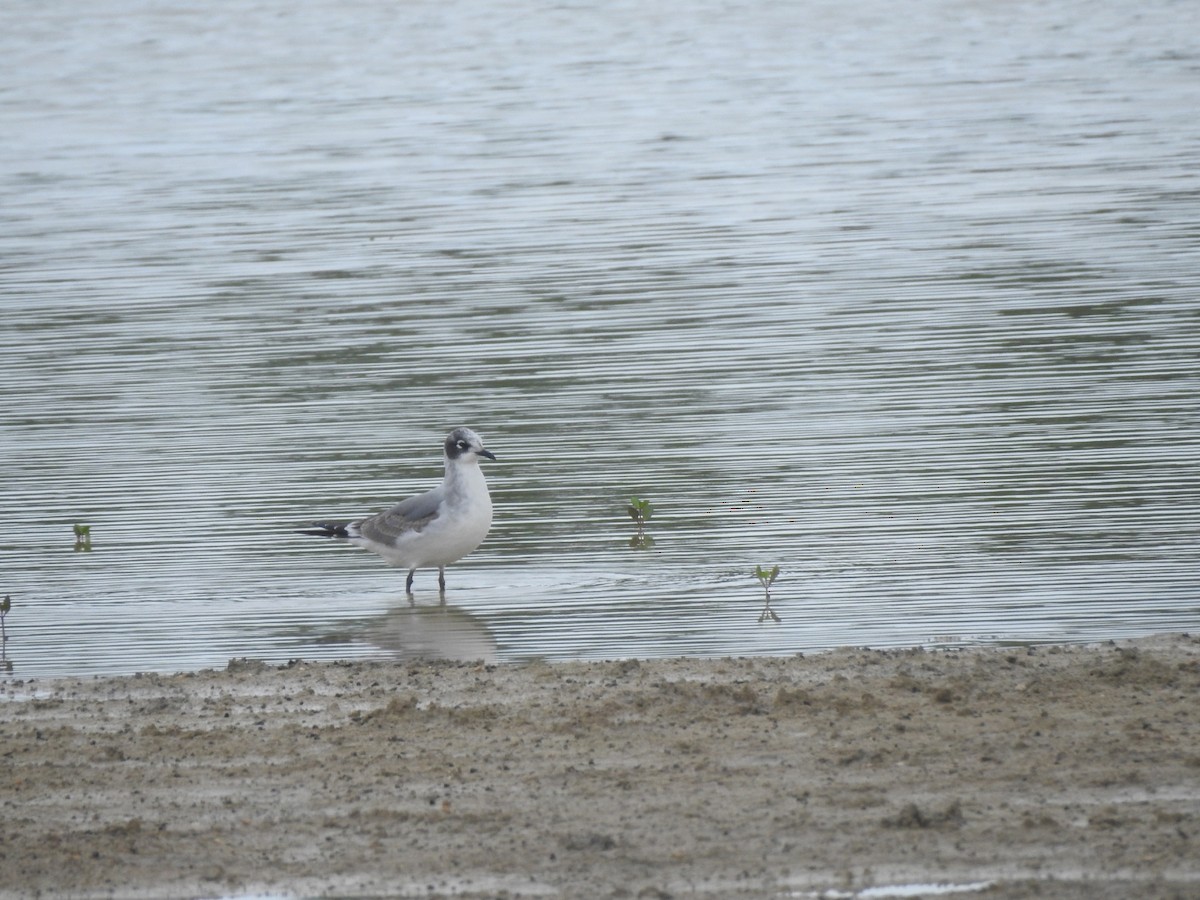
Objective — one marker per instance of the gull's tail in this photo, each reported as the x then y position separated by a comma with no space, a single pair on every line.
328,529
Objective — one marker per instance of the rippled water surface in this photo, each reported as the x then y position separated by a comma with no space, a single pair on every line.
908,307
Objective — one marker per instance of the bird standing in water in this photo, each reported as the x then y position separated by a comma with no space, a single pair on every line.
431,529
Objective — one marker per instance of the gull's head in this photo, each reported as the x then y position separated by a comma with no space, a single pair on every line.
463,445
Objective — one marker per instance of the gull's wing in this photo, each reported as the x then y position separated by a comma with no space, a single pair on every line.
408,515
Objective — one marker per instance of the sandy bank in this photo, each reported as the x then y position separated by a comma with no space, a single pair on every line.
1057,772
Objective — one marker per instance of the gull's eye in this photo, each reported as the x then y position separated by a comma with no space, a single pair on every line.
463,445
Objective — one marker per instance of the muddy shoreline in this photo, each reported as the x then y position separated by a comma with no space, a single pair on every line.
1064,771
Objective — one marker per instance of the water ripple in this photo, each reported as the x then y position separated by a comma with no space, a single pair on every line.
909,313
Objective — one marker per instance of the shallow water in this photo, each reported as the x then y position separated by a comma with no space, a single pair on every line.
907,308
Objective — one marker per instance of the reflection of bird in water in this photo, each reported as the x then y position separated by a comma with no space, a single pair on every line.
431,529
432,632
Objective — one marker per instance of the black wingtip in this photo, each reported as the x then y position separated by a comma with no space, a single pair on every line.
330,530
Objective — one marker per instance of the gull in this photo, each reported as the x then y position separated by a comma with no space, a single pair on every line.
431,529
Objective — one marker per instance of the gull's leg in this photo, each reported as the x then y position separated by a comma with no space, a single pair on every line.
408,584
442,579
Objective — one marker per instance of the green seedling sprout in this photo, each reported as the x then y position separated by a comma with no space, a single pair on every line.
5,662
766,579
640,511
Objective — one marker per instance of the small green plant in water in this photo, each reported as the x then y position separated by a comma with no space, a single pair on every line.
83,537
5,606
640,511
766,578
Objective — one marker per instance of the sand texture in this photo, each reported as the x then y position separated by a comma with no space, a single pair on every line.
1064,772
